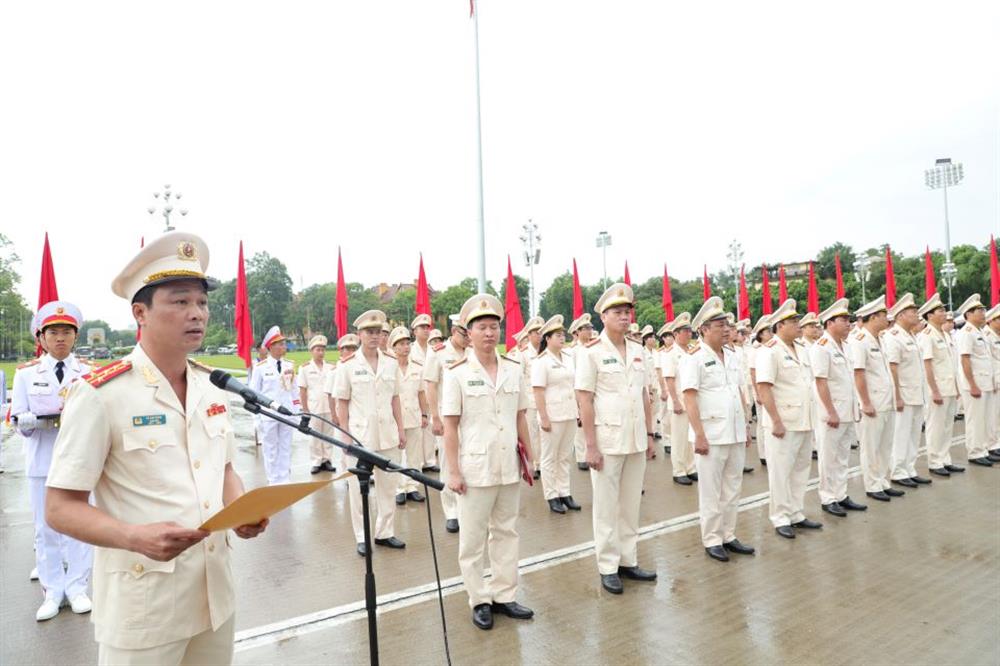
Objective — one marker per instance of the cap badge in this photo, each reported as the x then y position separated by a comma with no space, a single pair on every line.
186,251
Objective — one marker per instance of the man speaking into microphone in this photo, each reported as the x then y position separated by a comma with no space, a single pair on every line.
153,440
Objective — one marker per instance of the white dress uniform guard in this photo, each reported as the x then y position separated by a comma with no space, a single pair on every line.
275,378
975,381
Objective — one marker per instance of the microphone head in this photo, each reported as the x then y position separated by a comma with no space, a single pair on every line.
219,378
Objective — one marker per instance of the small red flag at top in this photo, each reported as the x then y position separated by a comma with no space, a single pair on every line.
812,296
930,285
706,287
512,309
744,301
423,305
577,294
994,273
47,290
890,280
782,285
341,305
241,315
668,297
840,276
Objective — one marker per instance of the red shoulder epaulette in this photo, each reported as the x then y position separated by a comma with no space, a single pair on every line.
460,362
107,373
593,342
438,347
823,341
859,336
28,364
771,342
347,357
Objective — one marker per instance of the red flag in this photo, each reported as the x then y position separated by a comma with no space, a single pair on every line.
577,294
512,309
744,304
929,284
340,306
812,297
241,315
782,285
472,8
994,273
668,298
840,276
765,288
890,280
47,290
706,288
423,293
628,281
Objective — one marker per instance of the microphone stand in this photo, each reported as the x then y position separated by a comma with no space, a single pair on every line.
367,462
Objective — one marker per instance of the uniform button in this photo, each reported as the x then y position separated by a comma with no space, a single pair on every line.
152,443
211,548
138,568
197,464
206,504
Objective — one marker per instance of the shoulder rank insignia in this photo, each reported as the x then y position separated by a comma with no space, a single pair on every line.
28,364
771,342
895,331
823,341
347,357
508,358
103,375
693,348
438,347
199,365
262,362
593,342
415,362
859,336
457,363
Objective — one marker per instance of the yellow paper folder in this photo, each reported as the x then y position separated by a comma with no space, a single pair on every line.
261,503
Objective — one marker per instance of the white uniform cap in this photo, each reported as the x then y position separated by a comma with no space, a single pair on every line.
370,319
317,340
480,305
932,304
971,303
421,320
555,323
617,294
905,301
56,312
580,322
878,305
272,336
838,309
398,333
177,255
711,309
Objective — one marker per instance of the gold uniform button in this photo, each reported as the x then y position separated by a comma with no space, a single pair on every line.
211,548
138,568
197,464
152,443
206,504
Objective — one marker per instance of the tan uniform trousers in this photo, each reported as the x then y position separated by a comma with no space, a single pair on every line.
940,430
978,414
664,420
413,456
383,508
788,462
557,450
761,438
579,445
906,441
208,648
617,492
681,447
833,447
320,450
489,514
720,478
875,433
534,434
449,500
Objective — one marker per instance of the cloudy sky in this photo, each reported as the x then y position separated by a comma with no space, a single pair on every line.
674,126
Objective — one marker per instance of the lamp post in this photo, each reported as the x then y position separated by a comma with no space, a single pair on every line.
863,271
532,254
941,176
166,195
735,257
603,241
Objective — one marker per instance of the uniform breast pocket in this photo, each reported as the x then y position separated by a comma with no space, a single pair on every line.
219,431
41,388
152,450
610,376
477,400
142,590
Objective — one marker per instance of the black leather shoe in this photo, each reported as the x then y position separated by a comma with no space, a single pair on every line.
995,452
854,447
954,469
815,455
635,573
785,531
400,499
682,480
362,550
514,610
537,475
328,466
806,524
763,461
892,492
431,468
834,509
717,553
940,471
556,506
657,436
851,505
316,469
451,525
666,449
735,546
908,483
583,467
921,480
415,496
747,470
482,616
693,476
570,503
612,583
984,461
879,495
992,458
391,542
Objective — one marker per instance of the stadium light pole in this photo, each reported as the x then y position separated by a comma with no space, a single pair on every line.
603,241
166,195
941,176
532,254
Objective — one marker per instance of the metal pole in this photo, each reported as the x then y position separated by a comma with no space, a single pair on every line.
531,271
481,227
604,255
947,246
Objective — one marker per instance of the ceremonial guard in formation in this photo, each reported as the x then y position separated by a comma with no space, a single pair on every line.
39,393
312,380
366,387
483,403
413,402
681,449
531,338
937,350
582,330
421,454
975,382
617,424
275,378
552,376
710,379
153,440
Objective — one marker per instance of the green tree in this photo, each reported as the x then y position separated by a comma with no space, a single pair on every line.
269,289
15,320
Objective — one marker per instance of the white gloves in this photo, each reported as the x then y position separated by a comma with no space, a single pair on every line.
27,421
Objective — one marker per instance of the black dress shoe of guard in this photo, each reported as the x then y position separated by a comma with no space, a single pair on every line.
682,480
940,471
785,531
635,573
693,476
995,452
513,609
482,616
451,525
908,483
583,467
612,583
555,506
954,469
992,458
717,553
983,462
763,461
921,480
879,495
747,470
400,499
851,505
570,503
328,466
892,492
815,455
537,475
316,469
666,449
735,546
415,496
806,524
391,542
362,549
834,509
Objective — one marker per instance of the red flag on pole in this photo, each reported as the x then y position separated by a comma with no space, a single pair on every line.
241,315
423,305
668,298
765,288
994,273
840,276
706,288
929,283
512,309
577,294
47,290
628,281
341,305
744,303
890,280
812,297
782,285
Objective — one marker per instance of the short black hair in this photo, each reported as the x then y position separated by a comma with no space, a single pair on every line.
145,295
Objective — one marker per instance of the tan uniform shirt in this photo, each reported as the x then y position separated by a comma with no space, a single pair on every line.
617,384
444,356
370,394
556,376
313,379
716,382
410,385
937,347
829,360
788,372
972,342
671,366
901,348
867,354
993,342
418,353
147,460
487,429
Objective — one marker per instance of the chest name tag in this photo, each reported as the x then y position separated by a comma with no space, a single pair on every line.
360,373
477,382
40,384
152,419
609,361
710,363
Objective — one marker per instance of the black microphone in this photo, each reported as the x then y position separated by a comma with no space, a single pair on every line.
227,382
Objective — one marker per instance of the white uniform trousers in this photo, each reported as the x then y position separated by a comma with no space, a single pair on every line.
557,451
977,416
617,493
413,456
720,479
875,433
665,420
906,441
834,450
788,462
276,443
940,430
208,647
761,435
488,514
449,500
381,503
681,447
534,434
579,444
428,444
53,548
320,450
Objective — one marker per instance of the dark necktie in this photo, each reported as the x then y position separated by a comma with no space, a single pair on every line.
279,366
59,371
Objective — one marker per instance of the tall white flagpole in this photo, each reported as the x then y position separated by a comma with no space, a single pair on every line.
481,227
